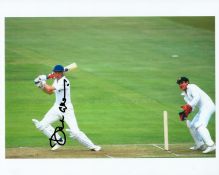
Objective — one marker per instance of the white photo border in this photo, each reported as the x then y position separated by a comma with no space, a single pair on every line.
98,8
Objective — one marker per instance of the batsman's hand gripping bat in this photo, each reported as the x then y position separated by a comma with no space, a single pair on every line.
70,67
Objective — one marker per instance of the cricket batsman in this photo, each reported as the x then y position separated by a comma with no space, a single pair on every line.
196,97
61,89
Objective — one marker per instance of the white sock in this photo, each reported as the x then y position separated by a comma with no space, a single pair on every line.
203,131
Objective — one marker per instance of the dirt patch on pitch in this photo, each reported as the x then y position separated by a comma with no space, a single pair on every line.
109,151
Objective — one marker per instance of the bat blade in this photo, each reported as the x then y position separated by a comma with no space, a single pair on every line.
70,67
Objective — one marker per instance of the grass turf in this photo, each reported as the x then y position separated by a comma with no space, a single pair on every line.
125,79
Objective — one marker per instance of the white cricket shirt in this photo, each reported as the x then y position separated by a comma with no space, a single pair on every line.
195,96
59,90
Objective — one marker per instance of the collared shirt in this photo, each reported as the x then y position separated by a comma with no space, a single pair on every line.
59,90
194,96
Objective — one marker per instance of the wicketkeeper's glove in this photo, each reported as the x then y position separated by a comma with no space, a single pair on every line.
187,109
182,116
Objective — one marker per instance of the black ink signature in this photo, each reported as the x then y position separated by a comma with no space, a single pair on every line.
62,106
53,139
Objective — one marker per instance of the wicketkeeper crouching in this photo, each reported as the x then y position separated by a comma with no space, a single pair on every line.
196,97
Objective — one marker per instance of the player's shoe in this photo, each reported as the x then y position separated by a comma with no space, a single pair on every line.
57,146
209,149
96,148
195,147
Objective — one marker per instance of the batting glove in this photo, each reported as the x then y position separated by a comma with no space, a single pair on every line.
42,84
37,81
43,77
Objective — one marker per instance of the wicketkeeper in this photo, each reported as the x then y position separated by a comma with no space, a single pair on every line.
54,114
196,97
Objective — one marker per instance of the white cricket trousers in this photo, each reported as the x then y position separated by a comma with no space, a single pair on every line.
198,126
203,116
54,114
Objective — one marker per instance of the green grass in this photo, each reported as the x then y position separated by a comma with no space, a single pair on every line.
125,79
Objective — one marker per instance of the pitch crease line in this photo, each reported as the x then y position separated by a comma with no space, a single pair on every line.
108,156
164,150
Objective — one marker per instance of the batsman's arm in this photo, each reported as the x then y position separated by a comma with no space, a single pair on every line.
48,89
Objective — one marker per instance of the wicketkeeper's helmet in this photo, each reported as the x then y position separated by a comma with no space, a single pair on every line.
58,68
181,79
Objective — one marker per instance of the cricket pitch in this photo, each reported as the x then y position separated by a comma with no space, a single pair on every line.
110,151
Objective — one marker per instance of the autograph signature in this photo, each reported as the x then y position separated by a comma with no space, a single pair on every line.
53,139
62,107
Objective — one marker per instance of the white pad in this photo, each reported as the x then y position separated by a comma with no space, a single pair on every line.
203,131
48,130
195,135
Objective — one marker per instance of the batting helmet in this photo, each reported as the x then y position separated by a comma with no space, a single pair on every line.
58,68
181,79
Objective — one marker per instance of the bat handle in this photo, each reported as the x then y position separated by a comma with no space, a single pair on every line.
66,70
51,76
